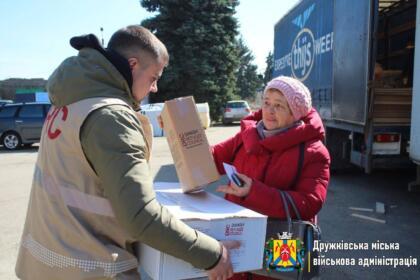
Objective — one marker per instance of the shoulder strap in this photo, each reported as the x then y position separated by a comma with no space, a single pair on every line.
291,202
236,150
300,164
285,195
286,210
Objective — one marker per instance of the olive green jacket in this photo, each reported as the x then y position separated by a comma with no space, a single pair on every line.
113,141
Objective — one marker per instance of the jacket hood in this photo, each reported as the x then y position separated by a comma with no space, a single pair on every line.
312,129
94,72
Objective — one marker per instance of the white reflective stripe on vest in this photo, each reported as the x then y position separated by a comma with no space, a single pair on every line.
52,259
73,197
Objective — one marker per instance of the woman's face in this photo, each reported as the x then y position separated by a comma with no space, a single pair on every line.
275,110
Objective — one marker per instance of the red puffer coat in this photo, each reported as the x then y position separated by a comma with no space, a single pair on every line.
272,165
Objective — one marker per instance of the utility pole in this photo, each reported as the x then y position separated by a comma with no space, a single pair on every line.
102,36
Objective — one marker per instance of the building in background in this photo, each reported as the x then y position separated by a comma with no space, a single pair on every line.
31,95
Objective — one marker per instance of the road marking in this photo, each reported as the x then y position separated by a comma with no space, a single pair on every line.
369,218
361,209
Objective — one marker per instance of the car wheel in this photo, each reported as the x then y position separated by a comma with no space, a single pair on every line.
11,140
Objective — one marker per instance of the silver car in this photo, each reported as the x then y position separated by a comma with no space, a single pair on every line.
235,111
21,123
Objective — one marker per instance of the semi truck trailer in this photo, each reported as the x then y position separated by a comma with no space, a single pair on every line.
356,57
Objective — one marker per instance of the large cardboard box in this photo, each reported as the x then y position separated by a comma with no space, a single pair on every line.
188,143
214,216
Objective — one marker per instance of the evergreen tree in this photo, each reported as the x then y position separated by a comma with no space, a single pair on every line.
248,80
200,38
268,74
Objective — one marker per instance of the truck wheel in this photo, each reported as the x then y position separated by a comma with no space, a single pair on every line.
11,140
338,144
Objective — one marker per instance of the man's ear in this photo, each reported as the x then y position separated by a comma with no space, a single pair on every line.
133,62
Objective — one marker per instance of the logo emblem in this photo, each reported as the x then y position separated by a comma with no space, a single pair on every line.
284,254
303,54
51,117
301,19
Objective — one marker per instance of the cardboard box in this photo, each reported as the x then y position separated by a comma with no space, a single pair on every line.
214,216
188,143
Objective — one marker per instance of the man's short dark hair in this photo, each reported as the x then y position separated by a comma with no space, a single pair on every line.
135,40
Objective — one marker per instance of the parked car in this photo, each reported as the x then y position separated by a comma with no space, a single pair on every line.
5,101
235,111
21,123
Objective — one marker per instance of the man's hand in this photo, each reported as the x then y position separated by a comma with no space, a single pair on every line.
223,269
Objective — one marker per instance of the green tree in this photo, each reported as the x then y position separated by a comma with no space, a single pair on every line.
200,38
248,80
268,74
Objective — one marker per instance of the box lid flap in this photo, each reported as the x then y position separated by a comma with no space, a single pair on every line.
200,205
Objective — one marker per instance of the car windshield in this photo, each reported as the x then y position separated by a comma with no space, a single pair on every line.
239,104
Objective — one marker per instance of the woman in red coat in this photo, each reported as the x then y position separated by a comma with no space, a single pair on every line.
266,152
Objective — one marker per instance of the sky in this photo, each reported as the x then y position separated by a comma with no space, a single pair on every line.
34,35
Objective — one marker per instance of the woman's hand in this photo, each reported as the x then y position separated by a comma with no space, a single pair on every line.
234,189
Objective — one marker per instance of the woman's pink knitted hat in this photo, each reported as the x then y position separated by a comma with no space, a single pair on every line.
297,95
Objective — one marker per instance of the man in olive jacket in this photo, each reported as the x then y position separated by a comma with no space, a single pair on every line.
92,195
